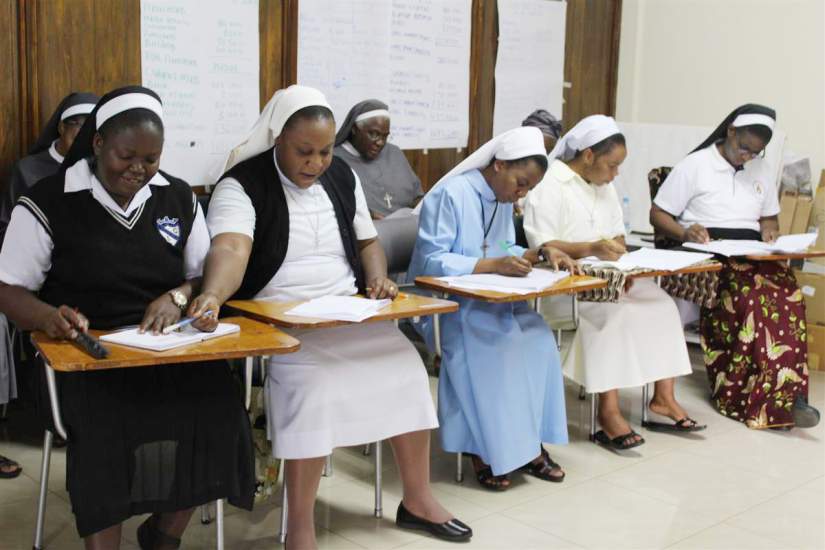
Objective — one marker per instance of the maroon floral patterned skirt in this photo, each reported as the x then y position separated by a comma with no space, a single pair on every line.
754,342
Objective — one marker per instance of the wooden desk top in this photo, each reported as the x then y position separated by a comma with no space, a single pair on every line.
254,339
699,268
786,256
403,307
571,285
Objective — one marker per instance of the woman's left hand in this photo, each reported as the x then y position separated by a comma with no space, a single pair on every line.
160,314
381,287
560,260
770,234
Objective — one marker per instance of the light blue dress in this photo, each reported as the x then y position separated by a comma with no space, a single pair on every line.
500,391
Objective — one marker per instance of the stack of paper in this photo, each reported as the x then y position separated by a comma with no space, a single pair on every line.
785,244
651,258
340,308
162,342
535,281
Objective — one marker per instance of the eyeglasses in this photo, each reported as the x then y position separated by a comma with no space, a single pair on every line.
746,152
374,135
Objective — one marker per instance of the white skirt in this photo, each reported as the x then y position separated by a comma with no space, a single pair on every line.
632,342
348,385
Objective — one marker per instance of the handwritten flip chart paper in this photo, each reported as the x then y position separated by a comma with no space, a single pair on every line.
202,58
412,54
530,60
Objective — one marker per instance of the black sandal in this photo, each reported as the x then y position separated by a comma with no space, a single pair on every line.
544,469
686,424
8,463
619,443
486,478
150,537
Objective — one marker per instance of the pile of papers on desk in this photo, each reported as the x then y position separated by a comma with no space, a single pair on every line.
787,244
651,258
535,281
339,308
162,342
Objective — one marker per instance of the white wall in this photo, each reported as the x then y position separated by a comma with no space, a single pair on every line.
690,62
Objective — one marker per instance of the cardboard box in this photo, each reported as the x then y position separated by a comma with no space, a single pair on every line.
801,215
816,341
817,218
787,209
812,286
814,363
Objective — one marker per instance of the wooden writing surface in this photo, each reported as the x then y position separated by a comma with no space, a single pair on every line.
404,306
254,339
571,285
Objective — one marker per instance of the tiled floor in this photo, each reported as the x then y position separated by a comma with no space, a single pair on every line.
726,488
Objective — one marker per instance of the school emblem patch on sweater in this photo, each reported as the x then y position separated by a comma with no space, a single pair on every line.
169,229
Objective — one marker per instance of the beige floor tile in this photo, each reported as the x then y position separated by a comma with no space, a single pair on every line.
793,520
597,514
698,483
725,537
499,532
17,522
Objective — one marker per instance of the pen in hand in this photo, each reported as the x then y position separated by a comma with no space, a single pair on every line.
186,322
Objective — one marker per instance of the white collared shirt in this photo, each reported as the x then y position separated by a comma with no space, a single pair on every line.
704,188
25,259
54,154
564,207
308,271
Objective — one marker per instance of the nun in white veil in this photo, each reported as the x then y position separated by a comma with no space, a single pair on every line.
289,222
576,209
500,392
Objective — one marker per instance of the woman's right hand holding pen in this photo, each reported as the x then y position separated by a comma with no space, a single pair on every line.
64,323
512,266
205,308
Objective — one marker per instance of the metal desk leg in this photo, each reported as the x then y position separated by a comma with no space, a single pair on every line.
44,484
54,400
219,515
284,512
537,305
367,449
249,362
379,506
328,466
459,467
437,334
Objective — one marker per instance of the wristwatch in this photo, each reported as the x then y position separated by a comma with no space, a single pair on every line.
179,299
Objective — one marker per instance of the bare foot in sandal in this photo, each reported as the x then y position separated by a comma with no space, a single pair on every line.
485,477
9,468
544,468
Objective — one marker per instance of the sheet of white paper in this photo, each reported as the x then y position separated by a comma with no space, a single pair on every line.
536,280
412,54
162,342
535,26
202,58
795,243
651,258
339,308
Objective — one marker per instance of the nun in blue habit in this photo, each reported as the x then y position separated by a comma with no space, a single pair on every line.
500,392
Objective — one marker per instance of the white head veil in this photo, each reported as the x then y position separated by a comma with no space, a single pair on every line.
587,133
270,123
514,144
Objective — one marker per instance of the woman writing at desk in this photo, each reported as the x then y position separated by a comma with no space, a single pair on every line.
500,393
289,222
575,208
111,241
754,339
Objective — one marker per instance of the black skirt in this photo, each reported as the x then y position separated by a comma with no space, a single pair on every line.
154,439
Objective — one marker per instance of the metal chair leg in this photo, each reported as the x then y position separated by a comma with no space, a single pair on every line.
645,399
328,466
219,515
593,398
582,393
284,513
44,486
4,410
206,514
559,334
379,494
367,449
459,468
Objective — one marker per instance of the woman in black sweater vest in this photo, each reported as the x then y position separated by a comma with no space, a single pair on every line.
111,241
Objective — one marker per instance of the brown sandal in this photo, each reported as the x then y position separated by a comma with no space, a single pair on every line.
544,469
485,477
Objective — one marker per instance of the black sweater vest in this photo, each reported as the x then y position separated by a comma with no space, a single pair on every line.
259,178
110,267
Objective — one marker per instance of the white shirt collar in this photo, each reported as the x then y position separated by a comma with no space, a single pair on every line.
350,148
79,177
54,154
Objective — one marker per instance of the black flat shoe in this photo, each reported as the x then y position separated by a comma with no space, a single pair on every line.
150,537
804,416
451,531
